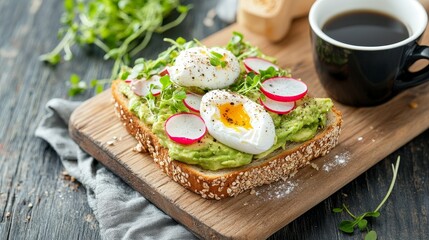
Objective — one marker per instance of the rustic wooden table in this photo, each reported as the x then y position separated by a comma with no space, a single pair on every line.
37,201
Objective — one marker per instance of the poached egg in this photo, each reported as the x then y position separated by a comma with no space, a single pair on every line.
237,121
192,68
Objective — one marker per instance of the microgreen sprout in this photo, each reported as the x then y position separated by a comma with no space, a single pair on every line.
121,29
217,59
360,221
252,81
76,85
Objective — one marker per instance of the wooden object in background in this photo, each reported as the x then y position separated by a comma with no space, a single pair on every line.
271,19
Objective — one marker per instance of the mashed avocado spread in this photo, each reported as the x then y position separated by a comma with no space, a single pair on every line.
299,125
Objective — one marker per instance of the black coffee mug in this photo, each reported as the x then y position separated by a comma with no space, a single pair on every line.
368,75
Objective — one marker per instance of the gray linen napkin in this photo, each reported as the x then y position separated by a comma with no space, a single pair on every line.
121,212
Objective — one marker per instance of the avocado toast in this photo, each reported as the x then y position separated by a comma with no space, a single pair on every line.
212,166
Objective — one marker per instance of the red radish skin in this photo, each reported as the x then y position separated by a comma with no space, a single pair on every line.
164,72
255,64
185,128
284,89
193,102
276,106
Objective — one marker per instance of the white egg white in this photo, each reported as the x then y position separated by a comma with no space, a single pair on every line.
192,68
259,138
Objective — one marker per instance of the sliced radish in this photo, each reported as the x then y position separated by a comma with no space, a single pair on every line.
164,72
143,86
276,106
255,64
185,128
193,102
128,81
284,89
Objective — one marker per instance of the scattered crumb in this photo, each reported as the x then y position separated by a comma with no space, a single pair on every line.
7,215
138,148
313,165
73,184
89,218
27,219
373,140
252,191
113,141
67,177
360,138
30,205
413,105
75,187
371,127
344,194
245,203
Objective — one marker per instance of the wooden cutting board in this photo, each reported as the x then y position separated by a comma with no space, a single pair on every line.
369,135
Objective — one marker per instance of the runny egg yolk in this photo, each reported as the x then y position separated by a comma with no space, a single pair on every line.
233,115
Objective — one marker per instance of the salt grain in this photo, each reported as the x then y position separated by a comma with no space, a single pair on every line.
339,160
276,191
360,138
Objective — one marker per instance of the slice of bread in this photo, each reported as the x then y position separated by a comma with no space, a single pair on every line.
279,165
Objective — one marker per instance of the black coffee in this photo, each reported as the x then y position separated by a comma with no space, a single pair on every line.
365,28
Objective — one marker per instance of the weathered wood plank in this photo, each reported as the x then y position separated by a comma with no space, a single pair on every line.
35,201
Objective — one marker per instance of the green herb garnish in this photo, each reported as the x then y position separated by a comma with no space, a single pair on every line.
217,59
252,81
121,28
360,221
76,85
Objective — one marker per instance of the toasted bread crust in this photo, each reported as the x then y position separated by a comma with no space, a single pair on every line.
228,183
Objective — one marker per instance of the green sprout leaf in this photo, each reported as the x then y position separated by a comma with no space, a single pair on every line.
214,61
347,226
337,210
217,59
371,235
165,81
360,221
372,214
362,224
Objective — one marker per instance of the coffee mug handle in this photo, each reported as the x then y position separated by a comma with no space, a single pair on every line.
410,79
